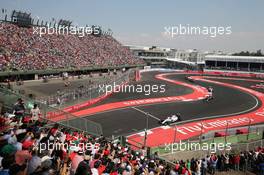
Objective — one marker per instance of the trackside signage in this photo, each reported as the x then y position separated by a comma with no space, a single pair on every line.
213,125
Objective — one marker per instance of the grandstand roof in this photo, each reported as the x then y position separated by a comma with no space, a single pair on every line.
251,59
180,61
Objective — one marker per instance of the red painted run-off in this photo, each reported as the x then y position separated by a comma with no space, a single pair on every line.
56,116
162,135
59,115
197,94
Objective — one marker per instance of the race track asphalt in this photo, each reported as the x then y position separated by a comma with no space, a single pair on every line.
126,121
149,80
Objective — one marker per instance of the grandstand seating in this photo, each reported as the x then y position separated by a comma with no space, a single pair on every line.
23,142
21,49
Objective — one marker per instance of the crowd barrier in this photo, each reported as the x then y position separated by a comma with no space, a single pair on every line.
88,94
69,120
210,72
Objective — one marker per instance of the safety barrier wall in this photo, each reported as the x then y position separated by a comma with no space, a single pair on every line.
211,72
88,94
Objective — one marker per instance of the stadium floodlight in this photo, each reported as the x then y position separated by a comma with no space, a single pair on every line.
3,10
110,32
64,23
21,18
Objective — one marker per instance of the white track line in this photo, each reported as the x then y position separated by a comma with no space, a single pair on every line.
148,114
214,116
143,105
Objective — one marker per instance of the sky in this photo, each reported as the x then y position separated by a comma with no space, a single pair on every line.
143,22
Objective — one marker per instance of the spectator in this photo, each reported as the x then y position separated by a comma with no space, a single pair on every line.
96,167
213,163
243,164
19,110
76,160
236,161
23,50
35,113
84,167
6,165
226,162
34,162
204,167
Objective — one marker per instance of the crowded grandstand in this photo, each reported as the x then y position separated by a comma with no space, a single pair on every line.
23,50
64,110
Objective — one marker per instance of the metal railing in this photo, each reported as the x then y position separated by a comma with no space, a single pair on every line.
53,114
88,91
63,118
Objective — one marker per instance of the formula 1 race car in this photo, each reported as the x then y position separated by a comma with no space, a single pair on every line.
210,94
172,119
189,79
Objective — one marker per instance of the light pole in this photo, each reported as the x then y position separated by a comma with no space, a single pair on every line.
175,133
146,129
147,124
249,125
226,132
201,134
90,91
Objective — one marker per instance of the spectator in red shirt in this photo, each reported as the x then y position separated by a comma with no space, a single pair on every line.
236,162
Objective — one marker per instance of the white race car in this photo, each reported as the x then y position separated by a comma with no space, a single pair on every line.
172,119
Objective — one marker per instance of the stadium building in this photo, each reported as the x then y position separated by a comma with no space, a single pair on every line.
234,63
153,56
169,57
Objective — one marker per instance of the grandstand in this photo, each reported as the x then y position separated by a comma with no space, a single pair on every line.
234,63
56,118
24,53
